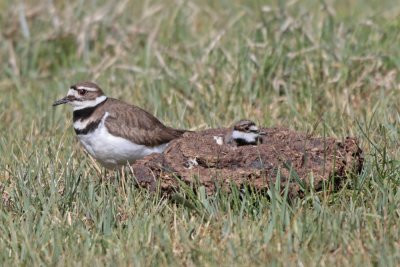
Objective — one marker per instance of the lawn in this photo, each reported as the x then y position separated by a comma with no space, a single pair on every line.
321,67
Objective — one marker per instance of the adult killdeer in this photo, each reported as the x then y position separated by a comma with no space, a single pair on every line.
245,132
113,132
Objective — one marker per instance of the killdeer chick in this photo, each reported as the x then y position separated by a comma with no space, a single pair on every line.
245,132
113,132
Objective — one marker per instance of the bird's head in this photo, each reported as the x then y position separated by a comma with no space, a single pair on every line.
247,126
83,95
246,132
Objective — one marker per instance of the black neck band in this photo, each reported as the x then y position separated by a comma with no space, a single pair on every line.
83,114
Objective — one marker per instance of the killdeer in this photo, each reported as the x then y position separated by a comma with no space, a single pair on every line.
113,132
245,132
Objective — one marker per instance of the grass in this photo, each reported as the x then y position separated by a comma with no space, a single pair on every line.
321,67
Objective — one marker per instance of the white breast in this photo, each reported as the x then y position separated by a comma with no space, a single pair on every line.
113,151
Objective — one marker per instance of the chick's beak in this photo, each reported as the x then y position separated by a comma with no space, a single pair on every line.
61,101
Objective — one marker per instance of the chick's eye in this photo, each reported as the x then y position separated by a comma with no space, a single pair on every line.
82,92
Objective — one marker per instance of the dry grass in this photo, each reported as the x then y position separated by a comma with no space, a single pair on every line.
313,66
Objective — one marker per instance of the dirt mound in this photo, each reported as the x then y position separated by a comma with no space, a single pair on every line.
198,159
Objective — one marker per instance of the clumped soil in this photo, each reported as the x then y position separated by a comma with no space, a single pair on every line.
196,159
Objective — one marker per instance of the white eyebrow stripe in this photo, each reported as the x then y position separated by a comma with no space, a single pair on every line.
87,88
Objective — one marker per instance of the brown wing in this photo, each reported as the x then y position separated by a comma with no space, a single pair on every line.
137,125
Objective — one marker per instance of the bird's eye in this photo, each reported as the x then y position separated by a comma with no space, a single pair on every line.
82,92
247,128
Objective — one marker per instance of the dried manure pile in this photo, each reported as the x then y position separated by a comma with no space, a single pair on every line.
203,159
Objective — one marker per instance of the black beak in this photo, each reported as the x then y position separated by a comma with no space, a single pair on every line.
61,101
262,133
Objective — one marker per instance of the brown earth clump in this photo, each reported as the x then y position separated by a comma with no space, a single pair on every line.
197,159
